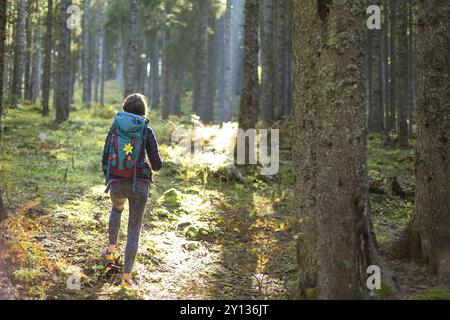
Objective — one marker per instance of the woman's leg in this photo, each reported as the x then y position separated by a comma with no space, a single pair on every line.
118,198
137,202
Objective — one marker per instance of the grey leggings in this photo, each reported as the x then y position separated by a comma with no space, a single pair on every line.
121,191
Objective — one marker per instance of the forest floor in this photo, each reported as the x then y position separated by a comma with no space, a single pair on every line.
206,235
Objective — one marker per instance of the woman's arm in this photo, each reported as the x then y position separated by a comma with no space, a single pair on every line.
153,150
105,151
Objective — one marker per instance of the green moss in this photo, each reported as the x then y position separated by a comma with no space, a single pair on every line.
432,294
386,292
311,294
172,198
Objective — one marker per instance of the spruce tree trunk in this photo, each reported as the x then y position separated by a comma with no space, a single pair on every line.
63,64
208,114
392,122
335,243
277,46
86,57
375,103
165,74
36,64
427,237
154,74
28,50
249,99
287,59
267,101
200,95
386,68
46,74
18,56
104,64
3,19
132,59
401,73
228,66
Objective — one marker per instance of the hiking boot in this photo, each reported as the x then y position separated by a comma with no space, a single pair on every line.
128,283
108,257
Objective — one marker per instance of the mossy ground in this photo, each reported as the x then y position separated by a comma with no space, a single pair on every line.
205,235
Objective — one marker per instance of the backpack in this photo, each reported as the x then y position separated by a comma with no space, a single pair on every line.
126,147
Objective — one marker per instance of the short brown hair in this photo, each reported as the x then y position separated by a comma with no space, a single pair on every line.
135,103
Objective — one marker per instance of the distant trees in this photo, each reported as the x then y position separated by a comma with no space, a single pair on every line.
390,68
335,244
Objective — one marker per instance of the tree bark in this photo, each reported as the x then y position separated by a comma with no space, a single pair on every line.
28,52
391,122
401,71
154,73
63,64
46,75
200,94
228,66
85,55
267,101
131,61
376,123
165,74
427,237
249,99
335,242
19,46
3,19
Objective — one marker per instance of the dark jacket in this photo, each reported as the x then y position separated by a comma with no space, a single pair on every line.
153,160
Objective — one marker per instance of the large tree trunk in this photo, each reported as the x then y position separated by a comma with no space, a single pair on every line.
329,149
427,237
249,99
46,75
63,64
401,71
19,46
